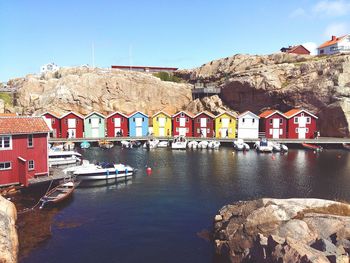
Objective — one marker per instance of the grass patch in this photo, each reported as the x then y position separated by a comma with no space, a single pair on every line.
6,97
334,209
165,76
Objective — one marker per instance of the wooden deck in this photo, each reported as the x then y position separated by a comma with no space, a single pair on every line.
55,174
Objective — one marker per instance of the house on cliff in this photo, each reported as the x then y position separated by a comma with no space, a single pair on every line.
335,45
273,124
138,124
302,124
94,125
54,122
117,124
161,123
204,124
225,125
298,49
72,125
248,125
23,149
183,124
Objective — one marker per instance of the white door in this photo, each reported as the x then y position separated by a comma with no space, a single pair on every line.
302,121
225,122
139,131
203,122
301,133
275,133
161,122
72,123
72,133
162,131
94,133
224,132
95,122
117,122
203,132
138,122
182,131
182,122
116,131
275,123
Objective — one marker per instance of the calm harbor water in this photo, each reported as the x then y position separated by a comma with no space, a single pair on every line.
159,218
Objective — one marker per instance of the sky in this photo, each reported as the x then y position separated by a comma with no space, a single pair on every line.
181,33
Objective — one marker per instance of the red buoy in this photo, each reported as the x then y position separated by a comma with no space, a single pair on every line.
149,170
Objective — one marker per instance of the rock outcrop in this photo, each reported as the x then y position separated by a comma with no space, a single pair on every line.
8,232
212,104
86,89
283,230
283,81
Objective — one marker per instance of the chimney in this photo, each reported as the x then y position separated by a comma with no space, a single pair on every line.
334,38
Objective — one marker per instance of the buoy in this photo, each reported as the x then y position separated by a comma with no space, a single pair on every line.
273,157
149,170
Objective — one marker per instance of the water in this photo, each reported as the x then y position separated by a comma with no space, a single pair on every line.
158,218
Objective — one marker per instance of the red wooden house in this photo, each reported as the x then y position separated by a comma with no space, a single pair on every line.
182,124
72,125
301,124
204,124
54,123
117,124
23,149
273,123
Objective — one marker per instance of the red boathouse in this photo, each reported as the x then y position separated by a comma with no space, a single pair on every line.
23,149
54,122
204,124
117,125
72,125
273,123
301,124
183,124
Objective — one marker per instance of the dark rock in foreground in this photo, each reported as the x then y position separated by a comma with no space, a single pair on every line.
283,230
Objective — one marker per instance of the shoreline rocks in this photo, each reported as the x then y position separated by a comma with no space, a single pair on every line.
283,230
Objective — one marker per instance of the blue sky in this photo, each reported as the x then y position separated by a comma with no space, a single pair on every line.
180,33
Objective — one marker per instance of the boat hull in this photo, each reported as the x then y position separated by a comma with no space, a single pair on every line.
104,176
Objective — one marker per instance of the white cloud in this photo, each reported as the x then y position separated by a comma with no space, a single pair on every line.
311,46
331,8
336,29
297,13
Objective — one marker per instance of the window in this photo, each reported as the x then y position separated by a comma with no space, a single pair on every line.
89,121
296,120
5,142
271,121
53,121
198,130
100,121
186,119
308,120
281,121
198,120
322,51
177,129
133,119
208,130
302,114
5,166
182,115
31,165
30,140
230,120
307,130
157,119
208,120
77,121
296,130
243,120
187,130
143,119
177,119
253,120
66,121
220,119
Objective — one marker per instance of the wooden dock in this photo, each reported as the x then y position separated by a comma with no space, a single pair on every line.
54,175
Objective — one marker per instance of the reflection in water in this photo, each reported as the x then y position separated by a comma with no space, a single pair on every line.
162,217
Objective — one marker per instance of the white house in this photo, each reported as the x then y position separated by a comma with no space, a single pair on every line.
49,67
248,125
335,45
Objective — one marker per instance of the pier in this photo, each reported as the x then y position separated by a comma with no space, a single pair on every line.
54,175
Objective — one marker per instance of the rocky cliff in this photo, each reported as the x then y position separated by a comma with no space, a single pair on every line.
284,81
85,89
283,230
8,232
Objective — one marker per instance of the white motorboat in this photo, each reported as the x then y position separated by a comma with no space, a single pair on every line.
126,144
163,144
180,142
278,147
69,146
192,145
214,145
203,145
264,146
284,148
240,145
151,144
63,157
100,171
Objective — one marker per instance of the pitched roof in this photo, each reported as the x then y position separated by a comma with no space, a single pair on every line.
134,112
76,114
248,112
233,114
97,113
117,112
164,112
331,42
268,113
292,49
23,125
293,112
206,113
56,115
186,112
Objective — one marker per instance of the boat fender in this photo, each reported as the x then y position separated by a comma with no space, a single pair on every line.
116,171
107,172
149,170
126,171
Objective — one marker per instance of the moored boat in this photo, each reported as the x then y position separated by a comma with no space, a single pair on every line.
60,157
240,145
163,144
203,145
213,145
69,146
58,194
85,145
192,145
179,143
105,144
126,144
313,147
346,146
264,146
151,144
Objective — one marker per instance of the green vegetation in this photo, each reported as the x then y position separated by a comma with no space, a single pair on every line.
6,97
165,76
334,209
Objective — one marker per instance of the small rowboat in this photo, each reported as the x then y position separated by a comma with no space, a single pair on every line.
58,194
312,147
346,146
105,144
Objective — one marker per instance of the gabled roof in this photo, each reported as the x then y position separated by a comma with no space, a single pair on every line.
293,112
268,113
292,49
117,112
206,113
95,112
23,125
135,112
165,113
248,112
233,114
185,112
331,42
76,114
56,115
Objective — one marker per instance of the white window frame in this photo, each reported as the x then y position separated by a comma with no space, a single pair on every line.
296,120
31,165
296,130
4,169
308,120
2,143
32,144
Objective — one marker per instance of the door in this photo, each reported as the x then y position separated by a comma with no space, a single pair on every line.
72,123
117,131
301,133
162,131
203,122
54,133
161,122
139,131
94,133
117,122
138,122
71,133
225,122
22,165
275,123
223,132
182,131
302,122
182,122
275,133
203,132
95,122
